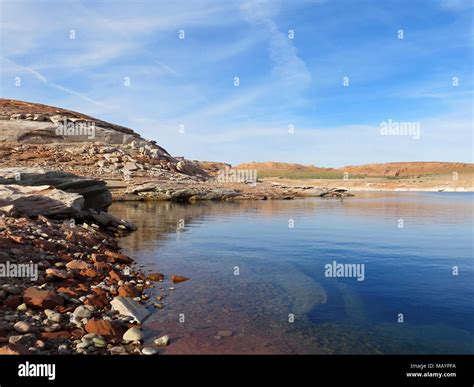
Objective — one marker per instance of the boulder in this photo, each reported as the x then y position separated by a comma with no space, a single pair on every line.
41,200
95,192
189,168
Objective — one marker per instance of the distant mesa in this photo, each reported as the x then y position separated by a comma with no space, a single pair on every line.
393,169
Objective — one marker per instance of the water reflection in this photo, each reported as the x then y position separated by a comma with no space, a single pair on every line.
280,301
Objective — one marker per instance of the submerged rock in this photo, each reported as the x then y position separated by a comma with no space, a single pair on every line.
149,351
176,279
126,306
162,341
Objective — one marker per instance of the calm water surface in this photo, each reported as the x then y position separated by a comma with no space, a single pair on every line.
281,273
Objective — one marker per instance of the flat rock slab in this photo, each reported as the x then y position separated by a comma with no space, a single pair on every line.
126,306
40,200
95,192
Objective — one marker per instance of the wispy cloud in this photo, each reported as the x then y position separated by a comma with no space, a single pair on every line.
282,81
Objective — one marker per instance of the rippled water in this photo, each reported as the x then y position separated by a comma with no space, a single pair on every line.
281,273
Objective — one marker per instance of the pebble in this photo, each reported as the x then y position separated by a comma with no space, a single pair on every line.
55,327
225,333
22,327
27,340
117,350
99,343
81,312
133,334
52,315
83,345
149,351
12,289
21,307
162,341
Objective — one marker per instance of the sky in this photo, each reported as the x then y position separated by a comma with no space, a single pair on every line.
300,81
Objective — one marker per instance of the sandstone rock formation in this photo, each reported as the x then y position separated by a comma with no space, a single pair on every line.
40,200
95,192
62,139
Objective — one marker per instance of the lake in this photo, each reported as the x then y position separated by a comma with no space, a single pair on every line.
259,273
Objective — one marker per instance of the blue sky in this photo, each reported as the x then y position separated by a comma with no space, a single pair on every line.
283,81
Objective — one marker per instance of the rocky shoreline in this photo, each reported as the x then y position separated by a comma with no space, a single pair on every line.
65,286
81,296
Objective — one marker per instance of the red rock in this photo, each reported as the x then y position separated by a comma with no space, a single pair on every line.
82,287
77,332
55,335
64,309
96,301
12,302
69,291
176,279
77,264
115,276
91,273
128,291
16,238
61,274
117,257
155,277
13,349
41,299
102,266
108,329
99,291
98,258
